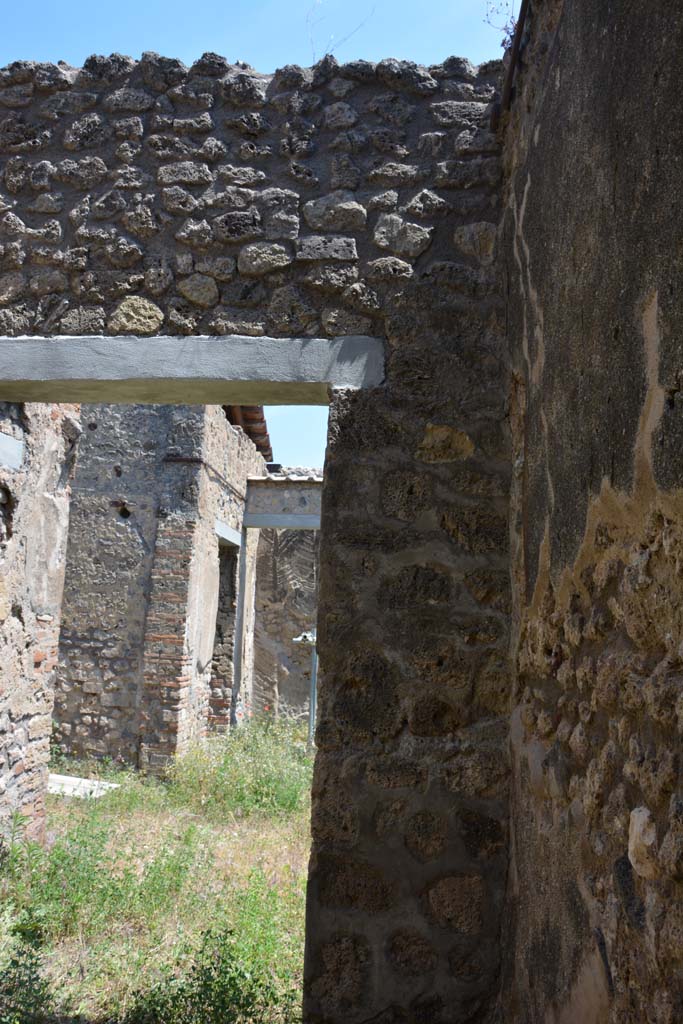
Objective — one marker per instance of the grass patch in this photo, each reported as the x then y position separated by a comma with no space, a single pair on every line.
263,769
174,901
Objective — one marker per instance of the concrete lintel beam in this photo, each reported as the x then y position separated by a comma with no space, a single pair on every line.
227,533
283,497
281,521
231,370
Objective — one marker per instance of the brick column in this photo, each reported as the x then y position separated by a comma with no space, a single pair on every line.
167,672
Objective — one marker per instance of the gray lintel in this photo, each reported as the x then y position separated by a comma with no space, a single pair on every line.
266,496
231,370
227,533
11,451
282,521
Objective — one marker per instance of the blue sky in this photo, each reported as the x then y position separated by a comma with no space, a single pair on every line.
297,434
266,34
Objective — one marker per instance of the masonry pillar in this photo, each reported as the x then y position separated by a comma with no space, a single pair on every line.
206,469
167,673
409,797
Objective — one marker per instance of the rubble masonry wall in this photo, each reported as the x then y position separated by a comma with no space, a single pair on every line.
592,257
34,517
286,607
141,590
149,198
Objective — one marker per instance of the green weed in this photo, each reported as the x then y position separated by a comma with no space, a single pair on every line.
263,768
25,996
217,987
172,901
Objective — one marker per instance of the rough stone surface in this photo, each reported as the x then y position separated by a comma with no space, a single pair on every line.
107,176
199,289
135,315
413,616
286,607
410,858
477,241
34,518
262,258
642,843
139,675
339,211
324,247
595,326
400,236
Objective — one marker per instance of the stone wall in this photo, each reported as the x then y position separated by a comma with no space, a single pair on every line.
112,535
363,198
142,579
34,515
286,607
148,198
230,458
592,252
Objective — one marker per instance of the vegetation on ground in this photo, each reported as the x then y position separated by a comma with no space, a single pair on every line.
172,901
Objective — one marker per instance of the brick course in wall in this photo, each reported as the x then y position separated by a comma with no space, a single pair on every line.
141,592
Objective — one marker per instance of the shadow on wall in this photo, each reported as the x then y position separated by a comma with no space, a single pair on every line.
286,607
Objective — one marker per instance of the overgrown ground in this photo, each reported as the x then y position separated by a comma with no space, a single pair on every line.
165,902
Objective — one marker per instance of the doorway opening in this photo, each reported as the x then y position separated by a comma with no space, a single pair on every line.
226,813
173,564
222,671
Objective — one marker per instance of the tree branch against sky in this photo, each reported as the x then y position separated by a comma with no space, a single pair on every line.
502,16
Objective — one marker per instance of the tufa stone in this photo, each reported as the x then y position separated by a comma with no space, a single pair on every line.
337,211
458,902
339,322
339,116
262,258
478,241
133,100
321,247
12,286
401,236
135,315
388,268
199,289
642,843
442,443
186,172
